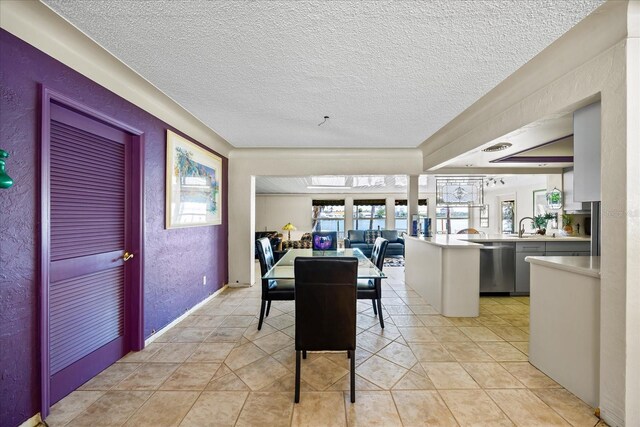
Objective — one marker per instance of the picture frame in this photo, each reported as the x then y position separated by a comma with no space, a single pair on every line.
193,184
484,216
539,202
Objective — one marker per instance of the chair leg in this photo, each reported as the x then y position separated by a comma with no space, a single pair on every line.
380,313
297,392
353,375
268,308
262,307
304,354
375,312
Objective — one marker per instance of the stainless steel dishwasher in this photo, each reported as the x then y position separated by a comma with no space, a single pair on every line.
497,267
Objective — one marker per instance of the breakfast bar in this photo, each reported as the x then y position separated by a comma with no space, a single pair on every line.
446,272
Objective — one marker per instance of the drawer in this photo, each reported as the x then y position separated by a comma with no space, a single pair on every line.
569,246
562,253
530,247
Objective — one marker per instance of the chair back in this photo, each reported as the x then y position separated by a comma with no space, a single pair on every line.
378,252
325,301
325,240
468,231
265,255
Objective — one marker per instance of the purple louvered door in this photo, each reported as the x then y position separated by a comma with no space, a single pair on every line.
87,271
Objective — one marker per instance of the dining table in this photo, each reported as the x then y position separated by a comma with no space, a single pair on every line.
284,268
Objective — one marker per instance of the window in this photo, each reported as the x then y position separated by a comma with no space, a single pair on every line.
484,216
369,214
423,208
507,214
450,220
402,213
328,215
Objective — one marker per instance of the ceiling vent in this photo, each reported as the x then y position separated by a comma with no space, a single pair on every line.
497,147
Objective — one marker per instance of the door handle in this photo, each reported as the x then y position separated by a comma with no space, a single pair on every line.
127,256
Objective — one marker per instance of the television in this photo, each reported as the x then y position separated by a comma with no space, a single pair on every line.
325,240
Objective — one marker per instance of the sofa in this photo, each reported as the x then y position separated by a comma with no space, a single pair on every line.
364,239
305,242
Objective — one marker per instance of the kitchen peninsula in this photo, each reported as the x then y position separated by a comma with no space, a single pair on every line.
448,270
565,322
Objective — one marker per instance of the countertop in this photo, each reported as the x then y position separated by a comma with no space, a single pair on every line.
474,241
479,238
446,241
584,265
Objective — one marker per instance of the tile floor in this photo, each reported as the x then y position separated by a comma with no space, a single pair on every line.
216,369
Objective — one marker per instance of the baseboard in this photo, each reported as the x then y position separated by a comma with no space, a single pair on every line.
159,333
610,418
32,422
239,285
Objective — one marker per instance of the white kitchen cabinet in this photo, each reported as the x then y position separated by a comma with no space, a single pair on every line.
569,203
586,154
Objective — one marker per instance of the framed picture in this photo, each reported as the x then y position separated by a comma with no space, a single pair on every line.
194,184
484,216
539,202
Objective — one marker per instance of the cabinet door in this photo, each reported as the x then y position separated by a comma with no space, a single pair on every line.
572,253
586,153
568,246
522,271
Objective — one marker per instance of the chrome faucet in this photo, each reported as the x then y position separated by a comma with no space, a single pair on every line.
520,227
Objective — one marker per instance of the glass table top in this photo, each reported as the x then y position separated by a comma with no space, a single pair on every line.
284,268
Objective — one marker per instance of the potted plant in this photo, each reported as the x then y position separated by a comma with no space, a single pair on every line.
567,223
540,222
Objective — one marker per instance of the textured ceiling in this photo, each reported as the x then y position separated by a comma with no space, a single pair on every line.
264,73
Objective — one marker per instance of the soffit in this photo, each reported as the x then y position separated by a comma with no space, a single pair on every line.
263,73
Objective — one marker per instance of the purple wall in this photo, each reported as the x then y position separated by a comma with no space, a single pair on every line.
174,260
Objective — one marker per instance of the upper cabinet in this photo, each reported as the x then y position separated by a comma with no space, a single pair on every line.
570,205
586,153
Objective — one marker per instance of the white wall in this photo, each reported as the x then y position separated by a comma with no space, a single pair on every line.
597,59
521,189
273,212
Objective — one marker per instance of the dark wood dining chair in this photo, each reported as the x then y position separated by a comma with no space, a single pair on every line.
326,296
272,289
372,288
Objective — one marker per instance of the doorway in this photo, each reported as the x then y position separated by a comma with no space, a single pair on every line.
91,244
507,216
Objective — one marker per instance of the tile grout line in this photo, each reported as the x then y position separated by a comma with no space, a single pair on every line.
232,303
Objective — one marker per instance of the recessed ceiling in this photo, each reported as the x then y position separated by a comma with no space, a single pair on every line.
340,184
264,73
558,151
525,138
